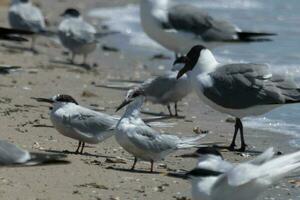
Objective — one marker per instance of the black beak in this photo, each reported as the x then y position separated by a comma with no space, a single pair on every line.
178,175
123,104
183,71
182,60
190,155
47,100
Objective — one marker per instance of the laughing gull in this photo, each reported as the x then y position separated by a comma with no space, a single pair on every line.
143,142
179,27
77,35
79,123
165,89
24,15
215,179
239,90
11,155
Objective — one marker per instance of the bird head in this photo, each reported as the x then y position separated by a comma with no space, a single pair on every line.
57,99
71,12
131,95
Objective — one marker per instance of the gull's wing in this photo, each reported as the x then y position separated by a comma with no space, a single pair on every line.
90,123
11,154
189,18
78,30
239,86
264,157
26,17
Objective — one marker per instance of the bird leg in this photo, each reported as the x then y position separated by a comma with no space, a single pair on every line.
243,144
32,47
84,60
236,129
73,58
176,110
78,147
134,162
82,147
152,163
169,108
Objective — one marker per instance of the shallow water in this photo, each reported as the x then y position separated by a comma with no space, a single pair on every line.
283,54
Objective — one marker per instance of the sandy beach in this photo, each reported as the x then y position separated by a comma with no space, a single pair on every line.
102,172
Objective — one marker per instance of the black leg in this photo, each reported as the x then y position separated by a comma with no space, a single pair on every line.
152,163
134,162
82,147
243,144
169,109
236,129
176,110
78,147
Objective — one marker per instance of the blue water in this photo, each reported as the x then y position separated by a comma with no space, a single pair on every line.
283,54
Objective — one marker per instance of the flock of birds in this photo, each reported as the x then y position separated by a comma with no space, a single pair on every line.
236,89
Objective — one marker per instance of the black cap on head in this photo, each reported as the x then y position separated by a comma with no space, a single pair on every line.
208,151
190,60
71,12
24,1
65,98
199,172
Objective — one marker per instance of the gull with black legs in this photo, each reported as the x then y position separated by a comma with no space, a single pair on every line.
238,89
143,142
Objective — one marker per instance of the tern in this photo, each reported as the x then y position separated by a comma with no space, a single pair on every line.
76,34
23,15
179,27
11,155
143,142
164,90
238,89
215,178
79,123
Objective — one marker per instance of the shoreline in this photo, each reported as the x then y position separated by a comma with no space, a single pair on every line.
94,175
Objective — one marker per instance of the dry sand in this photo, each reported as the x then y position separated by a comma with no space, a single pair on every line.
92,175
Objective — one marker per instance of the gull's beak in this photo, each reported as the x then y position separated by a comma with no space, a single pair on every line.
182,60
47,100
123,104
190,155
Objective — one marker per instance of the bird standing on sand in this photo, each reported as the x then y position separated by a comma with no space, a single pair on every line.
79,123
215,178
179,27
165,89
143,142
239,90
23,15
77,35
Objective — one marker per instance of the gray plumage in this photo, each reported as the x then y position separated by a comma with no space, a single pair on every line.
10,154
239,86
189,18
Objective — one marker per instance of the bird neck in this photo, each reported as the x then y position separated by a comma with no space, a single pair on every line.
133,109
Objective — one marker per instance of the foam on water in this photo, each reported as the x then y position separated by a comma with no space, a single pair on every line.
283,54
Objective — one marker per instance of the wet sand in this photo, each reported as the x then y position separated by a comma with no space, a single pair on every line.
102,172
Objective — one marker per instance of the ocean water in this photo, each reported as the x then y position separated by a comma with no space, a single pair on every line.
282,54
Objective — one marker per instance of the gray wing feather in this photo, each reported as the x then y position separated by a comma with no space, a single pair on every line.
91,124
149,140
192,19
239,86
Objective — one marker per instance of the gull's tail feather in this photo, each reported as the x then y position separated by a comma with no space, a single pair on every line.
46,159
190,142
254,36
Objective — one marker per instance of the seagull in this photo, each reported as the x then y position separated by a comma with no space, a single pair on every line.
143,142
11,155
79,123
76,34
23,15
165,89
179,27
215,179
238,89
